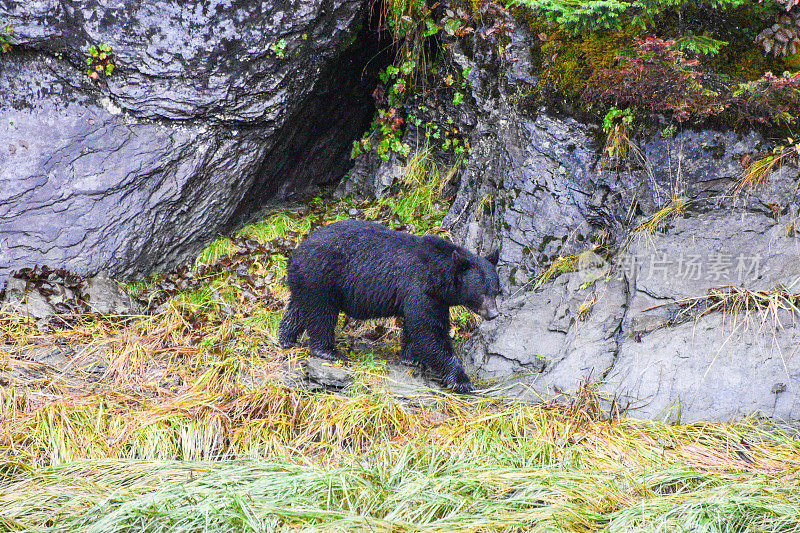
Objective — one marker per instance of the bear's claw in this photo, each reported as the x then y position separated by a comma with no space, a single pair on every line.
330,355
457,381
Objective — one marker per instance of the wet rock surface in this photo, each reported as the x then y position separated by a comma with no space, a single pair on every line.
692,324
664,324
204,119
326,374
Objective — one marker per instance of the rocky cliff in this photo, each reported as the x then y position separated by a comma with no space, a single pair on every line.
209,111
677,294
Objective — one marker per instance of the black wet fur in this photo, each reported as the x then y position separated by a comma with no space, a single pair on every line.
368,271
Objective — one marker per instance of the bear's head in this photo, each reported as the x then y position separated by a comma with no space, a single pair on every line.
477,284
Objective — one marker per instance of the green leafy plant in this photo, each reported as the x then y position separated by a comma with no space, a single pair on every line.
416,29
617,125
700,44
279,48
388,129
5,38
100,61
580,17
360,146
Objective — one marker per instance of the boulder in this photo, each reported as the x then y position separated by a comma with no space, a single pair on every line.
696,323
212,110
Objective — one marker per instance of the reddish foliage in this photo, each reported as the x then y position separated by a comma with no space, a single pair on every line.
391,118
657,78
769,100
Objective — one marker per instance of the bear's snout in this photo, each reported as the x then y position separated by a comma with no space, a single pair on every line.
488,308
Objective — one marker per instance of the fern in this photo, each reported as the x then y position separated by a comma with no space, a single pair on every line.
701,44
593,15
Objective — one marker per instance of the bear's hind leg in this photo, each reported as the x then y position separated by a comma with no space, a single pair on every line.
321,333
291,326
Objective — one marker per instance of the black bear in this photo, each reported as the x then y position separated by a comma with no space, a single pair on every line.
370,271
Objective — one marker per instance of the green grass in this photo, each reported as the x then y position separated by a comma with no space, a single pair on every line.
277,458
406,487
218,249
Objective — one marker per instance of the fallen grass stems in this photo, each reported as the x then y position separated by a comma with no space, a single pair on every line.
738,301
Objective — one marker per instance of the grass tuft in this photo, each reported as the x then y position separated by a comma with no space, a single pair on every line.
567,263
757,170
676,207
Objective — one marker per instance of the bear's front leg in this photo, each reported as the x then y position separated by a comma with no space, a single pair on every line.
426,341
455,378
320,327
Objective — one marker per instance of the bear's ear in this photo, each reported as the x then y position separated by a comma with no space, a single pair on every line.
493,257
461,261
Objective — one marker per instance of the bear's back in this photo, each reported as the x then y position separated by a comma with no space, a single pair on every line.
359,240
367,268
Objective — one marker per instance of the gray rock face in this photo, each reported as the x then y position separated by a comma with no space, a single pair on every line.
715,368
640,329
554,194
212,110
645,335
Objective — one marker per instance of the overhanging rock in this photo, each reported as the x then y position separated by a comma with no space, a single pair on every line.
201,121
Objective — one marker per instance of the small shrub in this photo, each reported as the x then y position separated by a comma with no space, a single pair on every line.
617,124
5,38
656,77
279,48
772,100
